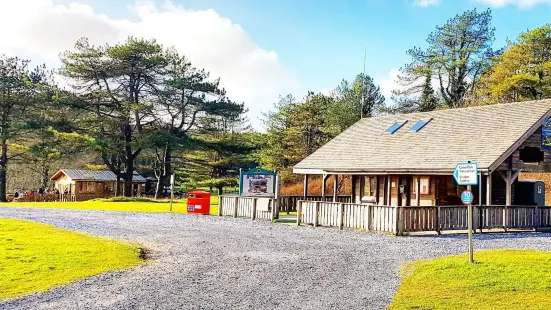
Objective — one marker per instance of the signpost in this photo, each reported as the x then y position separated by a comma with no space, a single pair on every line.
171,191
467,174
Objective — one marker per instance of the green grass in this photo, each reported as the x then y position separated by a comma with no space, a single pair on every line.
499,279
35,257
118,204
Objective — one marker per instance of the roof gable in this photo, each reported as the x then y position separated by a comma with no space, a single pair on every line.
482,134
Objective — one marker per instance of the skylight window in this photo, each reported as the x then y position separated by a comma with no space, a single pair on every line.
420,124
397,125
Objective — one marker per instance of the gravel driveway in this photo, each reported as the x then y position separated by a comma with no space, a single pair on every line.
222,263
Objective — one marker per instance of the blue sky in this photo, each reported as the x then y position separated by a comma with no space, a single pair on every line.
317,42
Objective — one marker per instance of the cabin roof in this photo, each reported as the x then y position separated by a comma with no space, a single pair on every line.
484,134
92,175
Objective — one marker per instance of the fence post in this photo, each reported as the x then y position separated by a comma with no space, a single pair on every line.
369,216
397,221
274,210
536,218
235,206
299,212
253,215
316,211
505,218
220,205
480,218
438,220
341,216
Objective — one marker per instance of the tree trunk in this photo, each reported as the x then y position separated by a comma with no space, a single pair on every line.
3,169
220,189
165,171
129,174
45,177
128,160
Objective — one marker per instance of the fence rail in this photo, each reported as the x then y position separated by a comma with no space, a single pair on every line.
289,203
250,207
405,220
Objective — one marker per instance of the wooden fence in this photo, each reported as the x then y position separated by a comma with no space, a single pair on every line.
249,207
289,203
405,220
44,198
347,215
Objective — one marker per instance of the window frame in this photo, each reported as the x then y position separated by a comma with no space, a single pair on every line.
399,125
425,120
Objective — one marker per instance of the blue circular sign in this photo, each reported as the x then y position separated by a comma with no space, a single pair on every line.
467,197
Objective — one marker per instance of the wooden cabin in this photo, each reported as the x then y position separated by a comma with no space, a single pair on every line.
83,185
408,159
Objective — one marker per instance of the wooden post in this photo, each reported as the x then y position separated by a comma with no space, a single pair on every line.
505,218
299,212
305,186
323,186
408,190
353,194
480,188
369,216
508,190
253,215
536,218
397,219
220,205
341,216
377,192
385,184
398,185
389,191
335,187
276,198
274,210
316,211
438,220
236,204
489,189
481,218
418,192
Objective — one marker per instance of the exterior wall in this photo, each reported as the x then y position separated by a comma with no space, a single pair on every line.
64,183
533,141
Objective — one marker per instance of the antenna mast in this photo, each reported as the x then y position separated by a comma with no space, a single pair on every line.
362,102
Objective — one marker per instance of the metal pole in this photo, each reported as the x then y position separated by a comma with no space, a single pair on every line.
470,227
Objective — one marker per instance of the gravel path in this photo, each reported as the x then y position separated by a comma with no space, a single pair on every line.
220,263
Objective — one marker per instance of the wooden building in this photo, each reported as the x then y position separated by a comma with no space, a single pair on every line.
408,159
83,185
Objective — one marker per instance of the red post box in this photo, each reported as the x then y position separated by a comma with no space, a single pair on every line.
198,202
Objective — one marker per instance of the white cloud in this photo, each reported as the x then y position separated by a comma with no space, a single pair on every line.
41,29
425,3
523,4
388,84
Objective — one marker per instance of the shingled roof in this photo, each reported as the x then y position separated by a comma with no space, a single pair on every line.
95,176
484,134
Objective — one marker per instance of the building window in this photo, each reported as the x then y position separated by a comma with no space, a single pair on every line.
424,185
397,125
531,155
420,124
87,187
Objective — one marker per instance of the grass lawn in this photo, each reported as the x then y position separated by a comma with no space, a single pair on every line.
179,206
499,279
35,257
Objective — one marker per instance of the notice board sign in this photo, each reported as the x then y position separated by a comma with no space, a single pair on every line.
257,183
546,135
